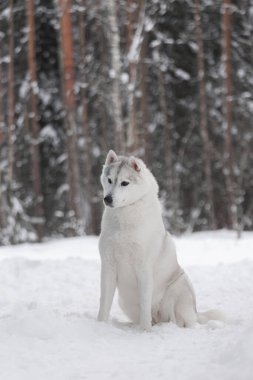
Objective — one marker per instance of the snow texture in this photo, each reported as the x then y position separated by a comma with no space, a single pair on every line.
49,301
134,51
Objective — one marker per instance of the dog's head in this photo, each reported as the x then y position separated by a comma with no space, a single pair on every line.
125,180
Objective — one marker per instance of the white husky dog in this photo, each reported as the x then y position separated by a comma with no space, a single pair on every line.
138,255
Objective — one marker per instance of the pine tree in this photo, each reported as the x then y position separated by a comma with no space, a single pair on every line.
228,110
68,83
203,123
115,73
35,147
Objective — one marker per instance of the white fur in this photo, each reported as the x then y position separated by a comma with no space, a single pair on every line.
138,255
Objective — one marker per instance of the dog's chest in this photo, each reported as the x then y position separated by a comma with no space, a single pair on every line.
126,248
128,240
128,257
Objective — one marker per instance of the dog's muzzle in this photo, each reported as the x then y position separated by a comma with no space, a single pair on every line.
108,200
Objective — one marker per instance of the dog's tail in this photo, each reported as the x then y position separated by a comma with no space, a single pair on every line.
216,315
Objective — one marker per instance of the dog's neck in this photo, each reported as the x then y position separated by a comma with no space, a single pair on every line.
144,208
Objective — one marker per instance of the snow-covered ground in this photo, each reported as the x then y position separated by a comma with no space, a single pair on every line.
49,296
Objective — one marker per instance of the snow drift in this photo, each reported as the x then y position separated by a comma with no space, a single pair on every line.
49,296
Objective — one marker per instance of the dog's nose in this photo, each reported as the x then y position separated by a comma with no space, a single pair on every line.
108,200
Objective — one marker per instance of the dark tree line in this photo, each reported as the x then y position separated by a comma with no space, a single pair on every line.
169,81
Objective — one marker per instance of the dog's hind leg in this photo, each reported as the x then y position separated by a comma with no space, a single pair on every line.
185,305
186,315
178,304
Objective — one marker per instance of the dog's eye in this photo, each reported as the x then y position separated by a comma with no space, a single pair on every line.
124,183
109,180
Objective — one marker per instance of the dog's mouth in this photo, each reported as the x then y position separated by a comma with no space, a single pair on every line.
110,205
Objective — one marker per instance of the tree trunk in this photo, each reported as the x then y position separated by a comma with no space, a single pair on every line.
11,101
35,148
144,132
1,139
203,114
132,70
136,19
115,73
85,126
167,139
227,115
1,100
67,65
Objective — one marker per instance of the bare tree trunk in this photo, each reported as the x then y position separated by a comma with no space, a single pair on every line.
203,114
75,203
35,148
85,126
168,151
144,133
115,73
1,97
131,130
1,138
136,19
11,101
1,100
227,112
167,132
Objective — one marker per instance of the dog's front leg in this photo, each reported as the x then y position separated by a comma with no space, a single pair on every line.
145,289
108,287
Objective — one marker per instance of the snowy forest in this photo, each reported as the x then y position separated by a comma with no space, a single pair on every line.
169,81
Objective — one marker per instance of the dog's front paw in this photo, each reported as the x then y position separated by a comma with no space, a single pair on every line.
101,318
145,326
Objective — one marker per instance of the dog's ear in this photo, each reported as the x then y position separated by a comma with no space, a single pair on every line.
111,157
135,164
